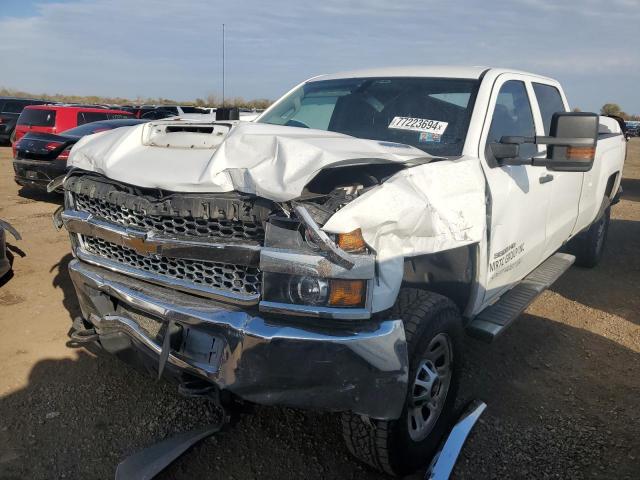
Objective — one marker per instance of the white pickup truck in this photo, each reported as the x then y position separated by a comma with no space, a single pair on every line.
334,253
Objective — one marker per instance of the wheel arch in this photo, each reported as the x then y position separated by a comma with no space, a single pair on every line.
450,273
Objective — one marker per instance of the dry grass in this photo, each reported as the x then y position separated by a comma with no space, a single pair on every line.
209,101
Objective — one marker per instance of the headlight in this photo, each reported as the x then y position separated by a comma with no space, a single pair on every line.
314,291
308,290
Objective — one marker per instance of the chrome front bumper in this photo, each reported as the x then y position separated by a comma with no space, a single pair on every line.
268,360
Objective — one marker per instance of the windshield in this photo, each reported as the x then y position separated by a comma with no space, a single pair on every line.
431,114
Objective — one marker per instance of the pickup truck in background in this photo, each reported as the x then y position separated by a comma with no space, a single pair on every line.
334,253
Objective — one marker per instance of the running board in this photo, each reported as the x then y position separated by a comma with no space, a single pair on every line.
495,319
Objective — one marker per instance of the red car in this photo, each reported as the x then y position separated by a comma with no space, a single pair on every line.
58,118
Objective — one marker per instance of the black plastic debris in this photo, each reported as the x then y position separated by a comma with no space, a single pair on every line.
149,462
9,228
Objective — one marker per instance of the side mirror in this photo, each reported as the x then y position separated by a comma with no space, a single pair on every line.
571,144
572,141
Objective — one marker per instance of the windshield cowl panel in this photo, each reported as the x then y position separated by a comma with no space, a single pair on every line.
431,114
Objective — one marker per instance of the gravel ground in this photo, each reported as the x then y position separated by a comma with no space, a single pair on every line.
562,385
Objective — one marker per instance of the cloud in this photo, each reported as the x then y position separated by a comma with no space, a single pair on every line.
590,8
173,49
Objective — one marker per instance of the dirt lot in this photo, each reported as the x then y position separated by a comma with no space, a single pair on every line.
563,385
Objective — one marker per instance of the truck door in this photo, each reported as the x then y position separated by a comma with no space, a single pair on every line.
519,196
564,197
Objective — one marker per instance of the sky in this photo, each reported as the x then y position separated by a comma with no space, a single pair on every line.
172,49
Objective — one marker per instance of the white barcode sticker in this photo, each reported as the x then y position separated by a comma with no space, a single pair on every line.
418,125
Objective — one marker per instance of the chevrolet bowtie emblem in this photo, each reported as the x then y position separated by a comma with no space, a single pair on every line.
140,245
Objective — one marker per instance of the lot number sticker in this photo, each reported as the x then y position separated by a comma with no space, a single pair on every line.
418,125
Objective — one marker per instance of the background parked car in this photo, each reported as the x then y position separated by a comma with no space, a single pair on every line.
10,109
156,114
140,110
633,129
58,118
182,110
41,157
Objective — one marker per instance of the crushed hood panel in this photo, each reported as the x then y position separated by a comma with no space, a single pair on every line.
271,161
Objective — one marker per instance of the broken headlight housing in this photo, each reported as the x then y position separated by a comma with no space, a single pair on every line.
309,272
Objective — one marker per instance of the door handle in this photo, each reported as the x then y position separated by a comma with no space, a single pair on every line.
546,178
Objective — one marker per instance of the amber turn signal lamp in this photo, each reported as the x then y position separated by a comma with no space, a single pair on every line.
352,241
347,293
581,153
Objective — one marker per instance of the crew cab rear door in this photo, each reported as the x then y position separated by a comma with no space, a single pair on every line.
519,194
565,187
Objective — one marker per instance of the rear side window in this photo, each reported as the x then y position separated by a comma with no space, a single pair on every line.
118,116
37,117
88,117
168,108
513,116
549,101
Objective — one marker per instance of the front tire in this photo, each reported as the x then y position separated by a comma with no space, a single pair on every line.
433,330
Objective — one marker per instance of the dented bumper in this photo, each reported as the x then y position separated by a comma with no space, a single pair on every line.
266,359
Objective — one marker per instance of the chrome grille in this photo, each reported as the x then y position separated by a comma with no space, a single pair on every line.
170,225
235,278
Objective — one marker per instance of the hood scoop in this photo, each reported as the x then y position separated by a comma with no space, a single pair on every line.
185,135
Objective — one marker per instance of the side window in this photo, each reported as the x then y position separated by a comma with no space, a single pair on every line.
550,102
513,117
88,117
113,116
13,106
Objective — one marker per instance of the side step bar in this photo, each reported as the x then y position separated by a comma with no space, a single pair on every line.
495,319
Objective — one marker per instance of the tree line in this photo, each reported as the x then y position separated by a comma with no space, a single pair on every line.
614,109
209,101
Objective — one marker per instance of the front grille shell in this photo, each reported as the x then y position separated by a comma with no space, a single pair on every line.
170,225
227,220
220,276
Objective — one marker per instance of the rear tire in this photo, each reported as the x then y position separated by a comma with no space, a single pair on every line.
588,246
433,330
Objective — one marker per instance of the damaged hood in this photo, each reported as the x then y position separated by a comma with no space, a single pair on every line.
271,161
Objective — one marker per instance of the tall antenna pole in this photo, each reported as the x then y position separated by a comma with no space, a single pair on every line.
223,65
